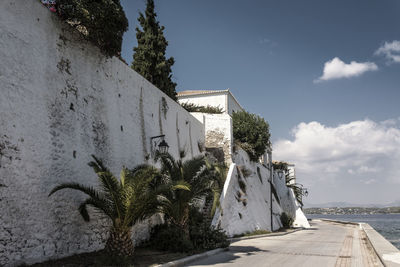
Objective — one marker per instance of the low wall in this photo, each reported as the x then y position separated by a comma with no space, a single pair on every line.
387,253
61,100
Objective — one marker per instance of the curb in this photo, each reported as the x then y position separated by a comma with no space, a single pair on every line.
336,221
264,235
387,253
192,258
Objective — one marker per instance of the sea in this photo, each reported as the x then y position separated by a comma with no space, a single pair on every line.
387,225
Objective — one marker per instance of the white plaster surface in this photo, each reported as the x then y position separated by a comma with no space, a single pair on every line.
61,100
256,214
233,104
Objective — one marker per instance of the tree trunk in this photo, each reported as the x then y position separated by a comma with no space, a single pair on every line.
120,243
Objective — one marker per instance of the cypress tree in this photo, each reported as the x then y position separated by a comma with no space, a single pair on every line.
149,58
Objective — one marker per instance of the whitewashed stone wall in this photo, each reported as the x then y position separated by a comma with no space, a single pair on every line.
218,131
248,210
61,100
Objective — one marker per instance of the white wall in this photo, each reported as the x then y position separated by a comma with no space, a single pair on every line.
233,105
60,102
234,216
287,199
256,214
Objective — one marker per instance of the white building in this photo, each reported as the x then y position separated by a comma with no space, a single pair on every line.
215,98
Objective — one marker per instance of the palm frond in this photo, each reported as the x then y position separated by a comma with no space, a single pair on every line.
111,187
168,165
122,176
90,191
83,210
192,167
97,165
95,195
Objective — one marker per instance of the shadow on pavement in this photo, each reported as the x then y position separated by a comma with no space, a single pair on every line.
228,256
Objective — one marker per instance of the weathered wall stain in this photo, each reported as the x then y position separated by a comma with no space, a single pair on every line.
143,127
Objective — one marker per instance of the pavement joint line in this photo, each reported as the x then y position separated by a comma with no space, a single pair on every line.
301,254
187,260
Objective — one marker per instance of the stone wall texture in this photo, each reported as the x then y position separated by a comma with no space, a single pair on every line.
219,133
61,100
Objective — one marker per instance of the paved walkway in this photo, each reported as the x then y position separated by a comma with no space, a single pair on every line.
325,244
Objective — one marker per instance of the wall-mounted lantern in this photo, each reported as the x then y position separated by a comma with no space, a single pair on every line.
159,144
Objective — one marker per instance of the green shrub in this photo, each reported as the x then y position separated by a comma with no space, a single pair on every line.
169,238
280,165
103,22
202,236
190,107
286,220
252,132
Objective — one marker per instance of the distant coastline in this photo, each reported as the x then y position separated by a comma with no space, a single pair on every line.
352,210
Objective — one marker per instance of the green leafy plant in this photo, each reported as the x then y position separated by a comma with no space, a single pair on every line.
286,220
204,236
201,235
197,179
103,22
280,165
169,237
149,59
125,201
191,107
252,132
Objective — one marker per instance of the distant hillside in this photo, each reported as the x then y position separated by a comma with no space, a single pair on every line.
352,210
347,204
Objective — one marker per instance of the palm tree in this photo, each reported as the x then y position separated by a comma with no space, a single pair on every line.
197,180
127,200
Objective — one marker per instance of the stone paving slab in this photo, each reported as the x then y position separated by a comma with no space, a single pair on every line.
324,244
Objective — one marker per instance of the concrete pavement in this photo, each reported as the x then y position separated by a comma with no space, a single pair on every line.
324,244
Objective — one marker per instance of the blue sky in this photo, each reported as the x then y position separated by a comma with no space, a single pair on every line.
291,62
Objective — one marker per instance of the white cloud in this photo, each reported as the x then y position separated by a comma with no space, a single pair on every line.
390,50
370,181
334,162
337,69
